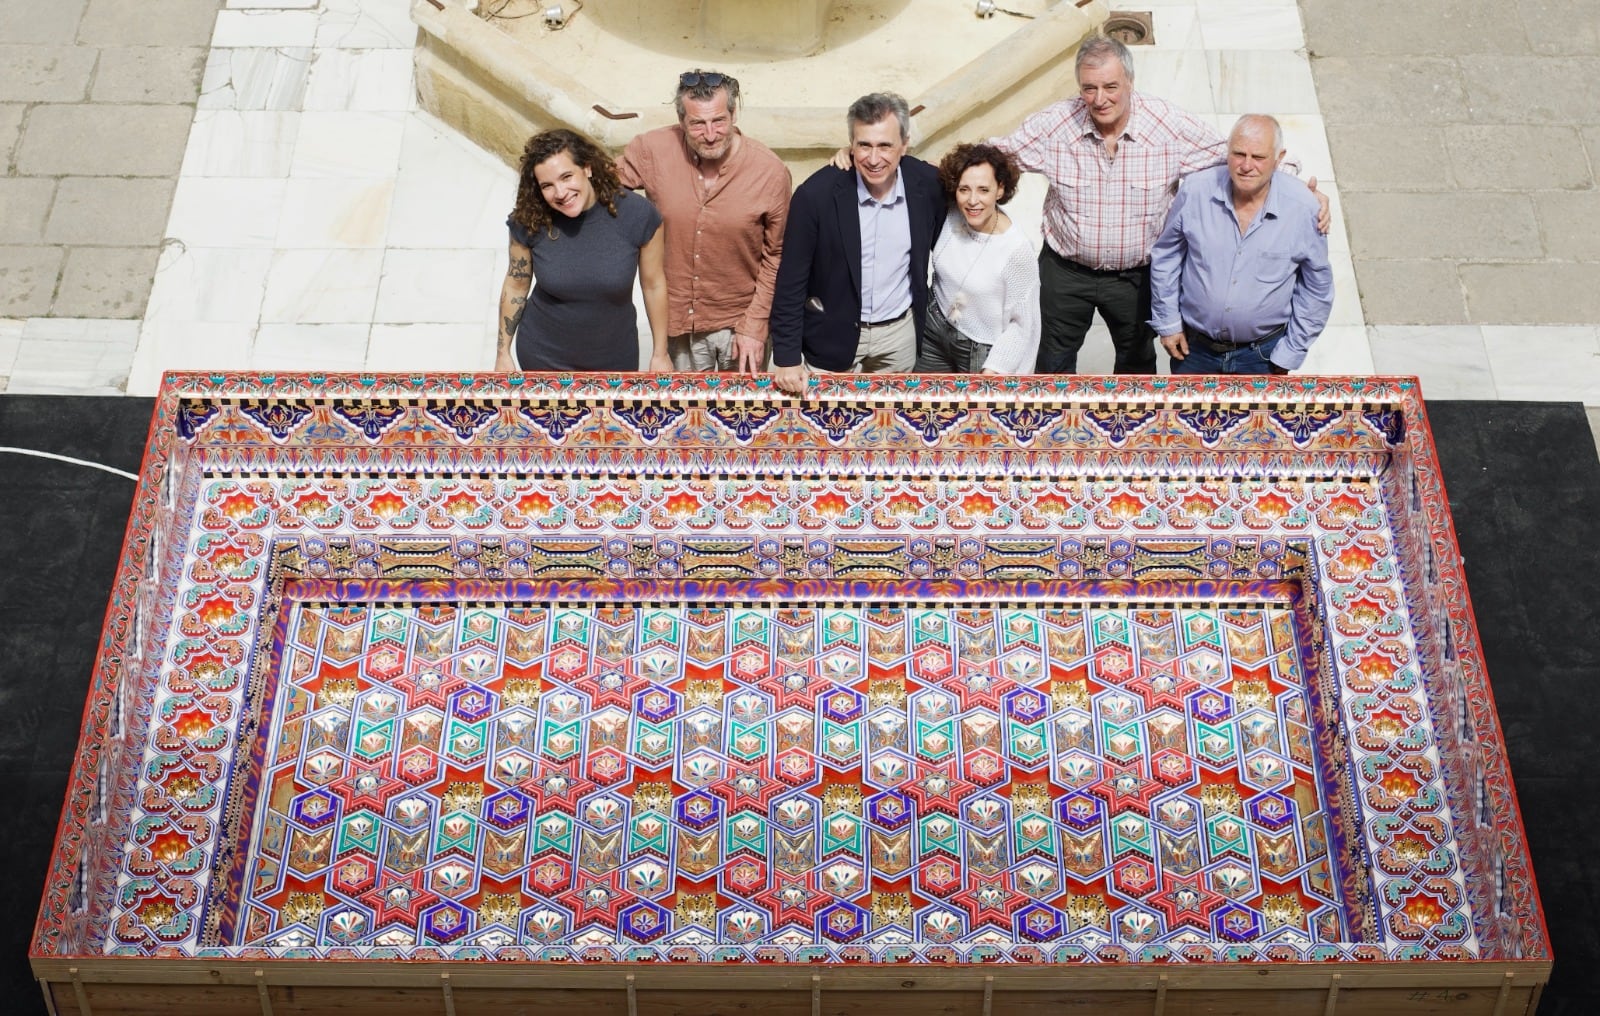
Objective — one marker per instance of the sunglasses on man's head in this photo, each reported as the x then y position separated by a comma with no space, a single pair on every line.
694,79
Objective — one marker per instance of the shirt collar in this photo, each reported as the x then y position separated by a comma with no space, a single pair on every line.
1269,210
1132,130
864,196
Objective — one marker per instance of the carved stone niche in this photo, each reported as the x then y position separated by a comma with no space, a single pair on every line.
606,68
792,28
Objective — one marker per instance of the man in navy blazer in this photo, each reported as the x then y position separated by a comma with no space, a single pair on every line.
852,287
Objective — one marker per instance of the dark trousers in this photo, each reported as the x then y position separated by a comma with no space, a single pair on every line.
1253,358
946,350
1070,293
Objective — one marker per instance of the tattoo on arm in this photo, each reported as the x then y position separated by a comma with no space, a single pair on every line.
509,322
520,268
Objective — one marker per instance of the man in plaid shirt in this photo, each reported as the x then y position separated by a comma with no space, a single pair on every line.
1114,158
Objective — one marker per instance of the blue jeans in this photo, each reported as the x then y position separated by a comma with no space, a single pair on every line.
1240,360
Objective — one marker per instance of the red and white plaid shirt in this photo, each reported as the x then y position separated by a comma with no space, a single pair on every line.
1102,212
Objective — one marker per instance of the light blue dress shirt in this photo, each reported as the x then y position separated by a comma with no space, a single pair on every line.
1205,276
885,251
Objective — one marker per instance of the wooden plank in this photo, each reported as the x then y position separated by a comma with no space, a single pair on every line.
261,993
707,976
1431,1001
530,998
1505,993
726,1003
1293,990
80,994
852,1002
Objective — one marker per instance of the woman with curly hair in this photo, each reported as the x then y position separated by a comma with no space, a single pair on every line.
984,315
579,239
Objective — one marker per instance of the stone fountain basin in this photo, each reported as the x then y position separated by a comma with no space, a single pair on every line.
498,81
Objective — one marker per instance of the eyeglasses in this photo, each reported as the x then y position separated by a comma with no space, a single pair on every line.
694,79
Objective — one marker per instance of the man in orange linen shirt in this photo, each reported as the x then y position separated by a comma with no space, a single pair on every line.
724,198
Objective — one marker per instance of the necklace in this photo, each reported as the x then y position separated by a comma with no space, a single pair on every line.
958,302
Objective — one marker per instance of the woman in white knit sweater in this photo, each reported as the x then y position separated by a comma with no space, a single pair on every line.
985,310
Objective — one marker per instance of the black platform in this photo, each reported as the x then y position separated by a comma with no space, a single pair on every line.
1524,485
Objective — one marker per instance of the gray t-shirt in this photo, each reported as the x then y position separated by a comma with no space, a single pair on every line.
580,315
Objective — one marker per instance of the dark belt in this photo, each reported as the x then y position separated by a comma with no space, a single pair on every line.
886,321
1090,269
1218,346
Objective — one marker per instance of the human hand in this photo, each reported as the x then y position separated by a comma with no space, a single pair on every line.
661,363
791,379
1324,217
1276,369
750,353
842,159
1176,345
504,362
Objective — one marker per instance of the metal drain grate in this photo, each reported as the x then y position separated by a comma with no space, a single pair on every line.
1131,28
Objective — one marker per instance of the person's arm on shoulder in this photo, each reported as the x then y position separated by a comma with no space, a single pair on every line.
787,322
750,335
513,301
1203,147
1166,270
1310,305
1029,143
1291,166
1324,216
633,165
653,283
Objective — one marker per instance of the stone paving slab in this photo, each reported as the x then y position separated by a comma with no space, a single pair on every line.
10,343
1517,157
1466,141
1459,224
11,115
1561,27
24,205
45,73
110,211
104,140
1384,156
1376,28
1569,223
1411,292
149,74
1531,89
148,23
28,279
1389,90
74,355
1553,293
1451,362
30,22
105,282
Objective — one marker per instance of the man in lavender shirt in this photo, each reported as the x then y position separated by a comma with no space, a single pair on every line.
1239,278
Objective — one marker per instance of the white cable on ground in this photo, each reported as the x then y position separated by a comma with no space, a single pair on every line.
67,458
